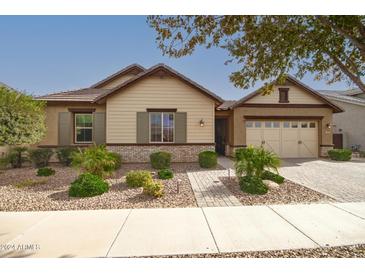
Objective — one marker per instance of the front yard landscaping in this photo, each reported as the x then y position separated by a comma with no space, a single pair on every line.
258,181
98,180
51,193
285,193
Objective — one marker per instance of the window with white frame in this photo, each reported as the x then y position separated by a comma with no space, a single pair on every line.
83,127
162,127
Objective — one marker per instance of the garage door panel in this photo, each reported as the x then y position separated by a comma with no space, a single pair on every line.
308,134
290,134
273,146
290,149
253,136
308,149
271,134
288,139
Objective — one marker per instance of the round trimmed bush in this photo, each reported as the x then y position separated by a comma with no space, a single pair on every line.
45,171
153,188
138,178
160,160
208,159
165,174
253,185
340,154
88,185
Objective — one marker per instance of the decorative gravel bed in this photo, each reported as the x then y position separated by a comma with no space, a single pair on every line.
286,193
53,195
352,251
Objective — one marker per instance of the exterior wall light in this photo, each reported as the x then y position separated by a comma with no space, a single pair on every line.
329,126
201,122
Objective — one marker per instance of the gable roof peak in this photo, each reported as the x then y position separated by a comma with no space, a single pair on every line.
168,69
128,69
295,81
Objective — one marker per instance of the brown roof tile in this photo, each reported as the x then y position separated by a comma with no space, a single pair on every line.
226,105
134,68
80,95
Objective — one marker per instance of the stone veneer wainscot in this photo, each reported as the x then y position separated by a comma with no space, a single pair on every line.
141,153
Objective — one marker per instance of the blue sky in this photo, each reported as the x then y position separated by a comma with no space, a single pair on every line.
44,54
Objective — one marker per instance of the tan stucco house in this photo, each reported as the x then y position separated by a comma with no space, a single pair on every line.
137,111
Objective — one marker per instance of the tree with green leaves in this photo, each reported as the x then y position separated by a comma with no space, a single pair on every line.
22,119
267,48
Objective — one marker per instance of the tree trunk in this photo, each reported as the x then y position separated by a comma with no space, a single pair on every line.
354,78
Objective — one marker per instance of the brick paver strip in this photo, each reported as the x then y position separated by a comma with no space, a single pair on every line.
209,190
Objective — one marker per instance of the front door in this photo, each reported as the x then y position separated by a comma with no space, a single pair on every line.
337,140
220,136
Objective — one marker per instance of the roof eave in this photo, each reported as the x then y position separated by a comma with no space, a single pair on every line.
344,100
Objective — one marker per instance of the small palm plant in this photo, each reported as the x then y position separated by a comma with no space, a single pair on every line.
253,161
96,160
250,164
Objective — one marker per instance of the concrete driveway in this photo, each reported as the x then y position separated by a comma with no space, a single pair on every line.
344,181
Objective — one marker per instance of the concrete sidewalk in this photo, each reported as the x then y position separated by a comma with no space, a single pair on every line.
148,232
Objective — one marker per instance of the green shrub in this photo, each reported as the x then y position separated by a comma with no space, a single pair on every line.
16,157
268,175
160,160
208,159
252,161
40,156
96,160
253,185
340,154
29,183
138,178
45,171
362,154
88,185
153,188
64,155
165,174
117,159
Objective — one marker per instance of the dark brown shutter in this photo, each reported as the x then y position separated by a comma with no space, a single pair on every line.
180,127
65,128
99,128
143,129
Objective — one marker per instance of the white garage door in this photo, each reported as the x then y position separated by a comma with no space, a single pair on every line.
288,139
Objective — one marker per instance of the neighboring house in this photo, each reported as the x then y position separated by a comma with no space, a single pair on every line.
137,111
349,129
